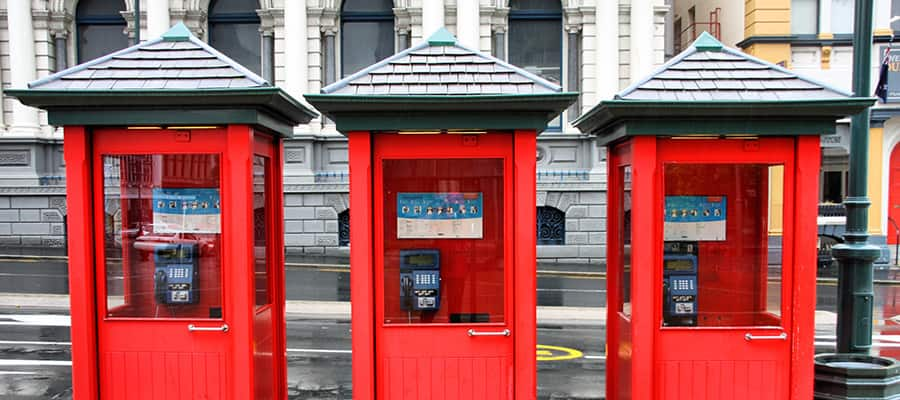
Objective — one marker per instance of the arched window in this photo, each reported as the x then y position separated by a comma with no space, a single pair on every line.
234,30
100,28
367,33
551,226
536,41
344,228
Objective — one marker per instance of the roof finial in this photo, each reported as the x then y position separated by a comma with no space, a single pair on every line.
706,42
442,37
177,33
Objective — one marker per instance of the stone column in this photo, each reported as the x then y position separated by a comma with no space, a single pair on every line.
22,64
574,68
157,18
432,17
499,46
467,23
607,49
60,51
641,43
296,58
329,56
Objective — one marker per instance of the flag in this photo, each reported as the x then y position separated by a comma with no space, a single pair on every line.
881,88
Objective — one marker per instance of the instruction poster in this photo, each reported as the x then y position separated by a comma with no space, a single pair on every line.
439,216
186,211
700,218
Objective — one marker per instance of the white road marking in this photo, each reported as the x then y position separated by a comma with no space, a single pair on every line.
324,351
36,320
572,290
595,357
17,373
34,343
35,363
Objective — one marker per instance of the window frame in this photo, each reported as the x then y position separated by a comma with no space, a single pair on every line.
543,15
234,19
359,16
87,20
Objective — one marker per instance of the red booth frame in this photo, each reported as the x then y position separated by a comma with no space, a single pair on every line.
646,155
362,261
241,142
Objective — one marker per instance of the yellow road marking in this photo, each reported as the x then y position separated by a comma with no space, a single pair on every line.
557,353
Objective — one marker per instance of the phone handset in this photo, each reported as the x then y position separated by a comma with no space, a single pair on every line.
160,285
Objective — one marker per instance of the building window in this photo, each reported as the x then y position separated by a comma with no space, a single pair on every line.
804,17
100,28
344,228
234,30
551,226
895,10
842,12
367,33
536,40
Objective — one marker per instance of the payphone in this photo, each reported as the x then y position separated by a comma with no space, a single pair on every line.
680,284
176,273
420,279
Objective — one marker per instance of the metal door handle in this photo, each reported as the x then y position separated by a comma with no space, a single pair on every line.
473,332
223,328
750,336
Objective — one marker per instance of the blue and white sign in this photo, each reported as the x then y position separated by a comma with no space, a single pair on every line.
692,218
186,211
439,216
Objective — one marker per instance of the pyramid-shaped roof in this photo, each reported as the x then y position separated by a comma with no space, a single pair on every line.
710,71
712,89
176,72
441,66
441,76
176,60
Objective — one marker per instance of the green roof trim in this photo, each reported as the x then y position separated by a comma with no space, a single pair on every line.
177,33
678,117
269,107
707,42
442,37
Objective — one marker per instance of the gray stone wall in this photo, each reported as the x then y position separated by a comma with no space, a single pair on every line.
32,221
585,240
311,223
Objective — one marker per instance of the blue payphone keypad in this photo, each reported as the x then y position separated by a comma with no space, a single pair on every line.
176,272
420,279
680,284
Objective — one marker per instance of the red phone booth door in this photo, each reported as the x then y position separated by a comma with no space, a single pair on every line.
162,323
727,270
443,276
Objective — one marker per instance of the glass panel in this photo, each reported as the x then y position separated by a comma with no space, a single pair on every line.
535,5
719,265
239,41
99,8
364,44
262,270
368,6
536,46
99,40
232,7
832,185
895,10
842,12
162,235
443,241
625,244
804,16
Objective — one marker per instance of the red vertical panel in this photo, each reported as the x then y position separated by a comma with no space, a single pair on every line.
157,367
214,375
438,378
237,245
361,279
145,372
741,380
423,378
480,385
698,386
278,278
645,250
466,383
804,295
714,380
409,374
77,153
171,376
186,377
525,275
451,377
198,372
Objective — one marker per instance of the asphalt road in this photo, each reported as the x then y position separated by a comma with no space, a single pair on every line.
35,358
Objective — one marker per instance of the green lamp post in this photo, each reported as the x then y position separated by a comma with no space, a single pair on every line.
852,373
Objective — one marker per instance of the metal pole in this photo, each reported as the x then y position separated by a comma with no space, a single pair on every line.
137,21
856,255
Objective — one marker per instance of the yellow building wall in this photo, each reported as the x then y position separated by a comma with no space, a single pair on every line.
776,53
876,146
767,18
776,200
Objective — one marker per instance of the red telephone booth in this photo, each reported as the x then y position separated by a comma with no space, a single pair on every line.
442,200
174,188
713,185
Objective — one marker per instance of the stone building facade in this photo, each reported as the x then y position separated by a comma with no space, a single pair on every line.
595,47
